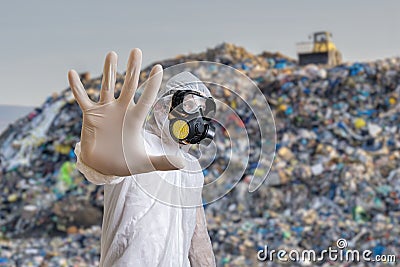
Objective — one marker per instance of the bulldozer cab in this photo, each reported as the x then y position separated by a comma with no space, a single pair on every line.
322,50
323,42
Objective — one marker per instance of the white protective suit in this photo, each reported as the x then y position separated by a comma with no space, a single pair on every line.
140,230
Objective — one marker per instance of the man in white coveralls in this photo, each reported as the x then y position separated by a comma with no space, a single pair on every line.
115,151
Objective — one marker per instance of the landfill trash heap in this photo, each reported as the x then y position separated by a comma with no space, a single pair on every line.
336,172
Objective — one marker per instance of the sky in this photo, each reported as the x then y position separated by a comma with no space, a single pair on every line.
42,40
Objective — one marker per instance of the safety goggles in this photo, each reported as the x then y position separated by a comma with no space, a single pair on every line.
191,102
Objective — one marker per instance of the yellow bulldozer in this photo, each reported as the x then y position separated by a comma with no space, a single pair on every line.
321,51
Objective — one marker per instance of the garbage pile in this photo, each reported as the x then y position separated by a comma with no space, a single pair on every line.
77,249
336,171
335,175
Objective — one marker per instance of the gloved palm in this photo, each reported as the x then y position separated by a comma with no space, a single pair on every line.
112,128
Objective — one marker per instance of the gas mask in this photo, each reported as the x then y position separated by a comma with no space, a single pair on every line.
190,117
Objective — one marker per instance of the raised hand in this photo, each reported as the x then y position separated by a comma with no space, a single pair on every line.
113,127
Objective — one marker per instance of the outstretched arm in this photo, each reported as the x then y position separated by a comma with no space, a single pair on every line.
200,252
111,128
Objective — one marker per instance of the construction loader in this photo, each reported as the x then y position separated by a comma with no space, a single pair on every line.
321,51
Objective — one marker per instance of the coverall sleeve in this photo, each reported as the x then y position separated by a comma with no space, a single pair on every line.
200,252
92,175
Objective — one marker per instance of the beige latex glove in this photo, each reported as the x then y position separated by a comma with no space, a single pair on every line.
104,138
201,253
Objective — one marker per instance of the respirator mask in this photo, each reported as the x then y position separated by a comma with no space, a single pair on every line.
190,117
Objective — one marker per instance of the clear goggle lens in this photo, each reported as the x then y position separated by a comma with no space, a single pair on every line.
193,103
